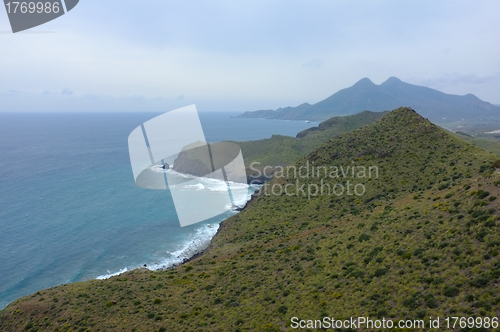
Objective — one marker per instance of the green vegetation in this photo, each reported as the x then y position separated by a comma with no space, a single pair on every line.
422,241
275,151
490,144
284,150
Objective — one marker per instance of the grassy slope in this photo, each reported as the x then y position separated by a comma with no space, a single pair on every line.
489,144
284,150
422,241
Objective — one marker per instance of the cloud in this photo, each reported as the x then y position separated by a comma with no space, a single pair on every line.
254,54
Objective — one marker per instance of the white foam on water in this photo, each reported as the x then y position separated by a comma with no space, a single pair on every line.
202,236
195,245
110,274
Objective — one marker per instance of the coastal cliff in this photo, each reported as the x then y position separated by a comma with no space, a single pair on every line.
421,241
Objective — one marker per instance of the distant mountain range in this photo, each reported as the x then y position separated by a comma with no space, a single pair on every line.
439,107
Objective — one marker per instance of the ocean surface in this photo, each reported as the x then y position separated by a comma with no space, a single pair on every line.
70,209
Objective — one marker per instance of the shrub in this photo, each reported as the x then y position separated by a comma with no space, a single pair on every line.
282,309
412,302
443,245
490,223
451,291
188,268
495,164
364,237
157,301
421,314
430,301
443,186
481,235
381,272
482,194
480,281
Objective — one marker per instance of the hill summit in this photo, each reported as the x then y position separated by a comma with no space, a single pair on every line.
439,107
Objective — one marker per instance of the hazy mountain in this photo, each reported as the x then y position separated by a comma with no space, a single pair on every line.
439,107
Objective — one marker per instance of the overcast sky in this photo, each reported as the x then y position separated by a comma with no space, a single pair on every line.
239,55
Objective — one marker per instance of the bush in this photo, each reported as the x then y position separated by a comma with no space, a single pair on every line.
157,301
364,237
481,281
451,291
421,314
430,301
495,164
482,194
381,272
412,302
282,309
443,186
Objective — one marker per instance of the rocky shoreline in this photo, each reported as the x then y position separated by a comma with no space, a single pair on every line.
222,225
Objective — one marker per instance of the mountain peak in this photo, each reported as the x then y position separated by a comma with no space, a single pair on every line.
392,80
364,82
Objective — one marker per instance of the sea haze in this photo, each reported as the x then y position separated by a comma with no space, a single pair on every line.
70,210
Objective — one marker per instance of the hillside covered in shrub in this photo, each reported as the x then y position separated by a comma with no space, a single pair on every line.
421,240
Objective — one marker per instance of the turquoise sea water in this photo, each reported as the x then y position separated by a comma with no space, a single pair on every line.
69,207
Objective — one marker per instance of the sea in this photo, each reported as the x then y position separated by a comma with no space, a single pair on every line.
70,209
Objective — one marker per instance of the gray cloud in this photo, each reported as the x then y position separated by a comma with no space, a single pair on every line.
246,54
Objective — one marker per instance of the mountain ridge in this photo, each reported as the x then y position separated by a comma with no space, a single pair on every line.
365,95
